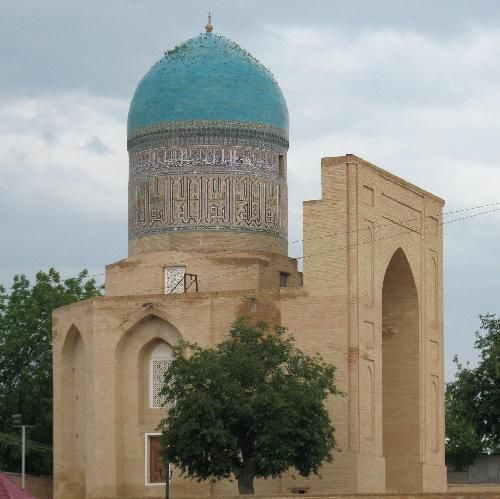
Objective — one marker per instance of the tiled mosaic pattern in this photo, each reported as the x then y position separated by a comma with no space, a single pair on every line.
202,132
208,77
158,369
207,176
198,159
207,202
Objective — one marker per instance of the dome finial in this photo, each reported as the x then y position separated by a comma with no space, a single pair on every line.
209,27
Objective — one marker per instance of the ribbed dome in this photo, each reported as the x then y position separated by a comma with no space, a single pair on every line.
208,78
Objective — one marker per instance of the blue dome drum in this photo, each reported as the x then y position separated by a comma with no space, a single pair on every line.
208,78
207,142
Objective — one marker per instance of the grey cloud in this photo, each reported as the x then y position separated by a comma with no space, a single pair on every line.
96,145
49,136
411,86
105,47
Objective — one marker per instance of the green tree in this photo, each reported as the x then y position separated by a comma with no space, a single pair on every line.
251,407
26,360
473,400
486,401
463,443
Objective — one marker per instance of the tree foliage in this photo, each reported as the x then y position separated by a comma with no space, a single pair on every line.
473,401
463,443
26,360
251,407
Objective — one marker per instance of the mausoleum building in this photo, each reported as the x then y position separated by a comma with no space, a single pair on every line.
207,142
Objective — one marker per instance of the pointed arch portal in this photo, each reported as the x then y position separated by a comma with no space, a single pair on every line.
74,413
140,353
400,375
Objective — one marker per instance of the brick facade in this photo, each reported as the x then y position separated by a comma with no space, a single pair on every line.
371,303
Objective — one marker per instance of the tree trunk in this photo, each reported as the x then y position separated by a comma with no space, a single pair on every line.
245,478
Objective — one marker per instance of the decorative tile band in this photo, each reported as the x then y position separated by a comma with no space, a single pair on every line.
211,202
203,159
187,133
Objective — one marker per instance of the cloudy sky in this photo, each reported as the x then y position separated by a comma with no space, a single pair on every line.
412,86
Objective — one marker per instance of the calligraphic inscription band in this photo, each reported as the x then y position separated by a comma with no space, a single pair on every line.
197,159
212,202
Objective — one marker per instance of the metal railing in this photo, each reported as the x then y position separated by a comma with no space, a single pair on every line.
185,283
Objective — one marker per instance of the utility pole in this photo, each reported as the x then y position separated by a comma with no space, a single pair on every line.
167,481
17,423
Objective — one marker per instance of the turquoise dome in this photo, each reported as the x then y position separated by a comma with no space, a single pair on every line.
208,78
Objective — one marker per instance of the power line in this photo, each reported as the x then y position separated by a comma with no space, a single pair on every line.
332,250
12,440
325,235
303,257
11,437
333,234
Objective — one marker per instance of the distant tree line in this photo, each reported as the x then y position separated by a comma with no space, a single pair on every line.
26,362
473,401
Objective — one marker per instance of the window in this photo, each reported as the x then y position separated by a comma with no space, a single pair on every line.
299,490
155,467
174,279
160,359
282,167
283,279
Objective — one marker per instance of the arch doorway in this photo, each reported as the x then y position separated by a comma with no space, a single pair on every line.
142,357
400,374
73,416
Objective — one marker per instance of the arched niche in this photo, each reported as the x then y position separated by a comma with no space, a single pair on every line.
433,423
400,374
367,400
154,362
432,291
151,338
73,407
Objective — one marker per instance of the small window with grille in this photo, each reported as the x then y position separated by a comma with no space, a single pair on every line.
283,279
160,359
174,279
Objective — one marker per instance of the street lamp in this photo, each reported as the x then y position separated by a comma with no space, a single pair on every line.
17,420
168,479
